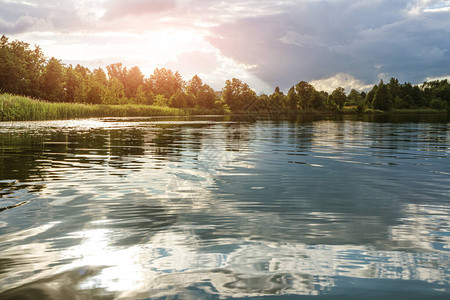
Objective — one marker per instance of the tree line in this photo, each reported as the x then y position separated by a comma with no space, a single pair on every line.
26,71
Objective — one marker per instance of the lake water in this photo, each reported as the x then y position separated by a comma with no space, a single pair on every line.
221,207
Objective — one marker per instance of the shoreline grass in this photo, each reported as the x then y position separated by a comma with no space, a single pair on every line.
20,108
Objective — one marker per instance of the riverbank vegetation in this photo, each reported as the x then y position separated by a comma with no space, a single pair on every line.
20,108
71,92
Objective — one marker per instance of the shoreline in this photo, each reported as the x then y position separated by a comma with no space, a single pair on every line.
20,108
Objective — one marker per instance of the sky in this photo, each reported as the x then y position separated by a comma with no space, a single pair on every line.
265,43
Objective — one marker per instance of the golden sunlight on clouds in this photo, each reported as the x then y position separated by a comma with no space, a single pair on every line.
183,50
147,50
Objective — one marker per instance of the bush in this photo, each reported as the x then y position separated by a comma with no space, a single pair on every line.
438,103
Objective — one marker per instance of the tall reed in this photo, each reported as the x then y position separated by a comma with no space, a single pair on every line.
18,108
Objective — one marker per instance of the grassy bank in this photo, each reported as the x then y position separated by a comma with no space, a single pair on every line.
18,108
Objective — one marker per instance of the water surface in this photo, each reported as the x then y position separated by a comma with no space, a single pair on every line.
214,207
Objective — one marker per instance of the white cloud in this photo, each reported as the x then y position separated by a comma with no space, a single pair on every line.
446,77
25,23
346,81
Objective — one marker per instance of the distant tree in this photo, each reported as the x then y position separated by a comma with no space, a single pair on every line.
408,99
194,85
53,81
292,99
277,100
72,82
93,88
381,100
330,104
118,71
437,89
164,82
354,97
393,88
178,100
160,100
305,92
238,95
400,103
438,103
100,76
418,97
85,72
114,93
370,95
182,100
20,67
339,97
140,96
206,96
316,100
262,104
132,81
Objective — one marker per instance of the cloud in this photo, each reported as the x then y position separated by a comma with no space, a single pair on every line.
38,16
346,81
320,39
24,23
120,8
267,43
196,62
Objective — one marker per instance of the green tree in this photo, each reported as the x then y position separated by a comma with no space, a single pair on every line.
316,100
53,81
114,93
85,72
354,97
330,104
393,89
164,82
238,95
438,103
194,85
292,99
278,100
381,100
72,82
160,100
132,81
20,67
305,92
100,76
370,95
140,96
93,89
182,100
206,96
339,97
118,71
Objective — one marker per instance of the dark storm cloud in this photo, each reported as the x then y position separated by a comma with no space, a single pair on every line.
319,39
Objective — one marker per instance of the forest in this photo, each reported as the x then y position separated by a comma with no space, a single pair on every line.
28,72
